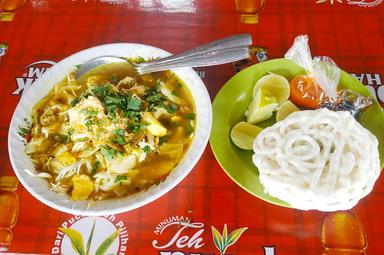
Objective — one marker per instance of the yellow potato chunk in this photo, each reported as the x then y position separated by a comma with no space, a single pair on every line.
176,119
122,165
157,169
173,151
66,158
154,128
82,187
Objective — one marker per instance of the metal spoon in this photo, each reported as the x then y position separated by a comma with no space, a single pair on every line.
218,52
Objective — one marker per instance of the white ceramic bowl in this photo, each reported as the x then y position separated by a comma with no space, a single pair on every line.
38,187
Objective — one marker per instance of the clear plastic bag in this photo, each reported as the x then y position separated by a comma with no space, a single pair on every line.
348,100
318,88
319,84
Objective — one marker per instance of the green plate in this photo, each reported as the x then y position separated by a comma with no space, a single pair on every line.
232,101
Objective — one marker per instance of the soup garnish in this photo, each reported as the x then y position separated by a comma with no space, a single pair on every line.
110,134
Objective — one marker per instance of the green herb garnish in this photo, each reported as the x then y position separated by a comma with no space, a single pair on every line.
163,139
134,104
189,128
147,149
102,91
135,127
75,101
88,124
155,98
84,139
113,102
154,95
175,93
119,140
25,131
190,116
119,136
109,151
119,132
70,132
89,113
171,108
112,114
133,115
95,167
125,103
120,178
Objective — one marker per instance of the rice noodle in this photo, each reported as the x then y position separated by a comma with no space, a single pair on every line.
320,159
72,169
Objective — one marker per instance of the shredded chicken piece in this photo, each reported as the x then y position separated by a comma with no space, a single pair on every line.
138,90
50,115
127,82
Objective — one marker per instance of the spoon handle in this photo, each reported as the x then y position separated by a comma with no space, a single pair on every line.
206,58
218,45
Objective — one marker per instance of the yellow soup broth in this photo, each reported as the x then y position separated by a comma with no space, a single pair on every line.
110,134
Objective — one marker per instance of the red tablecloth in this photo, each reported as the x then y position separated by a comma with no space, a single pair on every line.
51,30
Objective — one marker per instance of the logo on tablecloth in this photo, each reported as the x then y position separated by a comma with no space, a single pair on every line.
179,235
31,73
223,240
115,1
373,82
360,3
91,235
177,226
3,49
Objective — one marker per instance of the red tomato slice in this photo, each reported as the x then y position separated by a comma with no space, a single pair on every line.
306,92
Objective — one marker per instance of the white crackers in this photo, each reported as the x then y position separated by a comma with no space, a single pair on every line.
319,159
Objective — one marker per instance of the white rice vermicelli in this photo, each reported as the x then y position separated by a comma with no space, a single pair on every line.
319,159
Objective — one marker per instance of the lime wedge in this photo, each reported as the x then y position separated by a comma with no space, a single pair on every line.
276,84
261,106
265,97
286,109
243,134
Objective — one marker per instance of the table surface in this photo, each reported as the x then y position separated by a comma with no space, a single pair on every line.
51,30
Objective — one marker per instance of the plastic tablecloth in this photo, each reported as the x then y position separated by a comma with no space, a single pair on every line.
44,32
